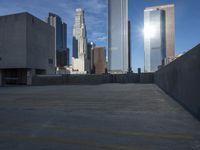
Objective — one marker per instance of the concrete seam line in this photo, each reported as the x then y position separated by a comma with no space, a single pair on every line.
116,133
59,140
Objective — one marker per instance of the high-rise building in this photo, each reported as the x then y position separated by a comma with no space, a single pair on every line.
129,47
68,50
79,59
99,60
159,31
61,39
90,47
118,36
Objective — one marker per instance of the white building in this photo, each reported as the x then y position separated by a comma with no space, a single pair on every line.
79,59
118,36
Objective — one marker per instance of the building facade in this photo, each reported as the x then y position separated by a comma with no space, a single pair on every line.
61,39
79,59
90,47
159,32
118,59
129,47
98,60
27,48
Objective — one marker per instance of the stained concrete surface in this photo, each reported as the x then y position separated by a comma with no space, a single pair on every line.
99,117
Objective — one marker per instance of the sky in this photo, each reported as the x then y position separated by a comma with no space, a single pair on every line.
187,22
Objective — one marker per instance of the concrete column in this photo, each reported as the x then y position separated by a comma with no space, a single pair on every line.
30,74
1,78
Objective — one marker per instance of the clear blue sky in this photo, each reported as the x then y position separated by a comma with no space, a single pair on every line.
187,15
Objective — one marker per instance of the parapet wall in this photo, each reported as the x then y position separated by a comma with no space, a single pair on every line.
181,80
92,79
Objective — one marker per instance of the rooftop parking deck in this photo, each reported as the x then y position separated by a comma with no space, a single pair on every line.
94,117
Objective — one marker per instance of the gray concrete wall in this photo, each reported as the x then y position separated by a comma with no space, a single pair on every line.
13,41
181,80
146,78
0,78
40,44
70,79
91,79
26,42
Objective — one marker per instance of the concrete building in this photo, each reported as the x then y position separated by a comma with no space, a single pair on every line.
99,60
61,39
79,59
159,32
27,47
118,36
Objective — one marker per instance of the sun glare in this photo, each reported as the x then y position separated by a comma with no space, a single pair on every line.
149,31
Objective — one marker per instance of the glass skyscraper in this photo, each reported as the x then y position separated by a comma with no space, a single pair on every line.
61,30
158,36
154,37
118,36
61,39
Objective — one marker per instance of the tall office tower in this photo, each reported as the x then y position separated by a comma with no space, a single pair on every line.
118,36
68,50
158,36
129,47
90,47
61,39
79,59
99,60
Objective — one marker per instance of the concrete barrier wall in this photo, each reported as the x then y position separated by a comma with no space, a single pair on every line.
146,78
0,78
92,79
181,80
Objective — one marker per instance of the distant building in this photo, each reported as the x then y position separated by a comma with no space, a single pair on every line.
61,39
27,48
90,47
68,57
159,31
79,59
118,57
62,58
129,47
99,60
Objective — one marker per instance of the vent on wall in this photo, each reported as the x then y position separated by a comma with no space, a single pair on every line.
33,20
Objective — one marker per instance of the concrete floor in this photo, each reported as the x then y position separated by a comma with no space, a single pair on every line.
100,117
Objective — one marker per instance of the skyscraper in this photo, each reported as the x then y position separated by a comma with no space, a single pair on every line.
129,47
61,39
158,36
79,59
118,36
90,47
